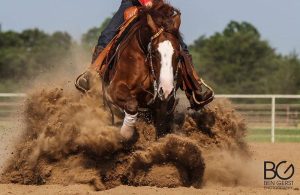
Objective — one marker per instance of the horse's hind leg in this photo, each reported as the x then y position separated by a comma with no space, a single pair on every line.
121,96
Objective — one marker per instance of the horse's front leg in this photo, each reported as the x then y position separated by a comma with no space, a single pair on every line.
121,95
128,127
131,113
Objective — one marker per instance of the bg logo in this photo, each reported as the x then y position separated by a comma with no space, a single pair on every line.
282,170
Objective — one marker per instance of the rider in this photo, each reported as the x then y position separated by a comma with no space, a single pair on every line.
111,30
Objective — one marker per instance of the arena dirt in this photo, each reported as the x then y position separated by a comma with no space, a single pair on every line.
68,139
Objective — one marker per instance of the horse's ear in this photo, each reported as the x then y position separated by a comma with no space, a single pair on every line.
177,21
152,24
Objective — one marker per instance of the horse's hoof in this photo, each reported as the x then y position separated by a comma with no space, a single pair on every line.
127,132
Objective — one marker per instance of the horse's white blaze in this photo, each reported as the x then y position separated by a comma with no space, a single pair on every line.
166,78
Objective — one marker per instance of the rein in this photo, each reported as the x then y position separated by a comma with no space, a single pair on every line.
155,80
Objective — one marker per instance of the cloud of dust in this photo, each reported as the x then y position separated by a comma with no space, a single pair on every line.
68,139
61,77
230,169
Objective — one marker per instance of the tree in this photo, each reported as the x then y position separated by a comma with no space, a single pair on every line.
90,38
236,60
27,54
10,39
286,79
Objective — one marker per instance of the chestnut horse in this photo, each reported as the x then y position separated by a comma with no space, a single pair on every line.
147,69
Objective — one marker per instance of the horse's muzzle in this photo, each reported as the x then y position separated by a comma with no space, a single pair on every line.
165,95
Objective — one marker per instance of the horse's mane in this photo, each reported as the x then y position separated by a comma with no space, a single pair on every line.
162,14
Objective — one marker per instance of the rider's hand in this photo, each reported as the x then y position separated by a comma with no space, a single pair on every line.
146,3
149,4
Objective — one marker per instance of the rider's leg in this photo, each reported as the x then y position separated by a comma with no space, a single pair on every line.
82,83
184,46
112,28
202,96
117,20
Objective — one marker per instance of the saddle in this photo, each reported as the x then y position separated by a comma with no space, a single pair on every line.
103,61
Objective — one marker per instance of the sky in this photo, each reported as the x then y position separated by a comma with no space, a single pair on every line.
277,20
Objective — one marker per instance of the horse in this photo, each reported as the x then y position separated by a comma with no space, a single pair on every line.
147,70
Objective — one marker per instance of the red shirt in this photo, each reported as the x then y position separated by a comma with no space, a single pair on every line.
144,2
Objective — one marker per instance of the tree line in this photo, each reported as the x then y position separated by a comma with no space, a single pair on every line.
27,54
236,60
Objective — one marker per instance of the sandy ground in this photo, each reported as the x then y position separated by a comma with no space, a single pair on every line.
9,132
261,153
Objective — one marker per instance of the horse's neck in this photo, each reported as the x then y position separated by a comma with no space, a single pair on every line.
139,35
133,48
145,35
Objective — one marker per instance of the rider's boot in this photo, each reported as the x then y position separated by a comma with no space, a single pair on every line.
82,82
201,97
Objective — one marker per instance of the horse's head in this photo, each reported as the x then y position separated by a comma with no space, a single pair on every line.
164,52
163,24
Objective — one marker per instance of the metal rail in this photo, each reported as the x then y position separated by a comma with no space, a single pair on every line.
259,96
11,95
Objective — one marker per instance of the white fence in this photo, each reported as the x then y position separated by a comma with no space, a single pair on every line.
11,95
272,98
9,103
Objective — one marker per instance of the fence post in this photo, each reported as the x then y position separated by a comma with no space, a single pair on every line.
273,118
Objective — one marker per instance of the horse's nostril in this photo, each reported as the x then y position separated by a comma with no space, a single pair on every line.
161,91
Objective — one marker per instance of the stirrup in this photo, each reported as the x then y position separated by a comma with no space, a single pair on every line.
204,102
81,89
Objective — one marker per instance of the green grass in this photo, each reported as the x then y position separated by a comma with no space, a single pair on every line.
277,131
281,135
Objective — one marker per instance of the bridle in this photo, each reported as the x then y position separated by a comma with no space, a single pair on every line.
149,58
